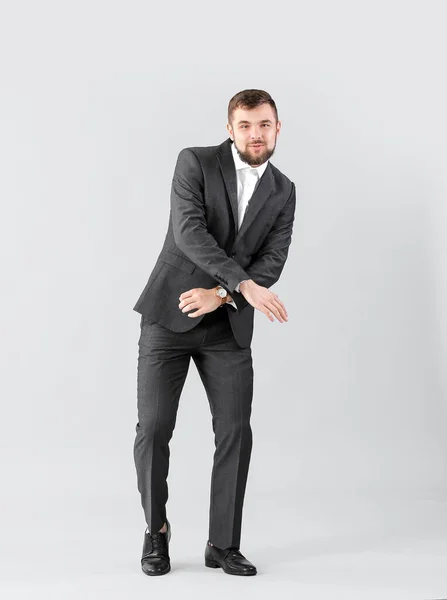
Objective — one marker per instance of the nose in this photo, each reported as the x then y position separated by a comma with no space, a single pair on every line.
256,135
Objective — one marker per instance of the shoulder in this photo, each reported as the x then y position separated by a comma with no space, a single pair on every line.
205,155
194,162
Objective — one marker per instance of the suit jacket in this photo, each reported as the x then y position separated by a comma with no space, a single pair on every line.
203,248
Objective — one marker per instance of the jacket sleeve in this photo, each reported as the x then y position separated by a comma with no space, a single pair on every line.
267,265
189,224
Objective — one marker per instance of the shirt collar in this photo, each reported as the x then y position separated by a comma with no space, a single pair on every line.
240,164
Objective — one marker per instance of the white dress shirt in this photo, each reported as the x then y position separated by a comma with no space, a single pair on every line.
247,178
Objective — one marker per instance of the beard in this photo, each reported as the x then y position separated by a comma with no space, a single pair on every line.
253,158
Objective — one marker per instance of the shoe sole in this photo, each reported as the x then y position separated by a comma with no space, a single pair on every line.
156,574
214,565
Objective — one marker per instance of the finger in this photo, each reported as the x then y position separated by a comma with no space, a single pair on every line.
266,311
281,309
197,313
190,306
278,301
275,310
278,310
186,301
186,294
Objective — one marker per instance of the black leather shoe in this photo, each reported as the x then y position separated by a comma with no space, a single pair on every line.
155,558
229,559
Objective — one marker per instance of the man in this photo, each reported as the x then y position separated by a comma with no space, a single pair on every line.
229,232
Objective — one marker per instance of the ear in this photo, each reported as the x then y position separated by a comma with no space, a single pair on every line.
230,131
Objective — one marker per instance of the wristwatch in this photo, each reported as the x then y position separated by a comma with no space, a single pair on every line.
222,294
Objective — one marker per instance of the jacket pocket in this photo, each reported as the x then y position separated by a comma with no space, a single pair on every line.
177,261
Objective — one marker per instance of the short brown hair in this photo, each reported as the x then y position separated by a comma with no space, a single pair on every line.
250,99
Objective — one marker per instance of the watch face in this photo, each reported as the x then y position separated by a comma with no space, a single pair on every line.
221,292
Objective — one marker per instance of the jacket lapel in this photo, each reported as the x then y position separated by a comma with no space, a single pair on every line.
260,196
226,163
258,200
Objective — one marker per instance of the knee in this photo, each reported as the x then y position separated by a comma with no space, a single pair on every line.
151,427
240,429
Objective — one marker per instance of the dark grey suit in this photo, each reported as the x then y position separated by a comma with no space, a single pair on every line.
202,249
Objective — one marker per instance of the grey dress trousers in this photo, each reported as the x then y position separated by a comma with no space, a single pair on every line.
226,371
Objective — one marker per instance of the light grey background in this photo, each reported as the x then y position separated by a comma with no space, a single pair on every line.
346,496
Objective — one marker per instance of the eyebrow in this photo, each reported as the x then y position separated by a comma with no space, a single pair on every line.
263,121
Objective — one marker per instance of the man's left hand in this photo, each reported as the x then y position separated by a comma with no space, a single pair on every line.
205,301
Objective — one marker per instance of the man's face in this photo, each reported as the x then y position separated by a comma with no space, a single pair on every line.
254,133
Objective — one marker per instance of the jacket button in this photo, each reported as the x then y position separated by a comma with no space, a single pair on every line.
233,255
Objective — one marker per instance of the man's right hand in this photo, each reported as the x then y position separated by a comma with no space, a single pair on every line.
264,300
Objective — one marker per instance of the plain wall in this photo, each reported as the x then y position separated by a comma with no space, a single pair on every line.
97,100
